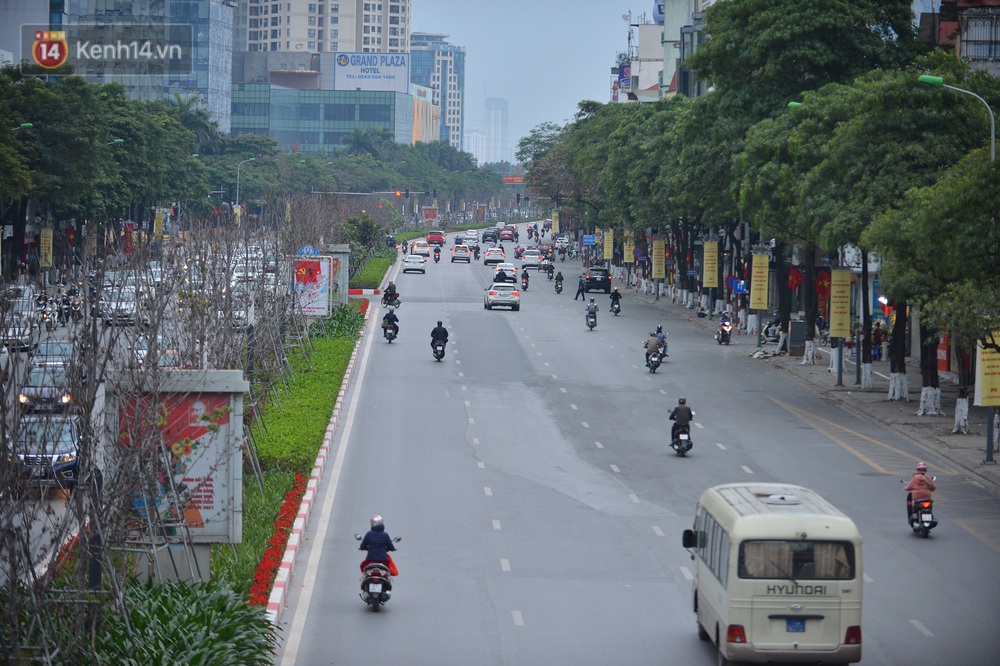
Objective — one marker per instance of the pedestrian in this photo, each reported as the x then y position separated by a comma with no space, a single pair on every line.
877,337
581,289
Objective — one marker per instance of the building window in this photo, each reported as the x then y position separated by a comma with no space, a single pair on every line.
275,20
335,8
312,20
311,33
311,46
393,42
312,8
334,34
366,41
321,22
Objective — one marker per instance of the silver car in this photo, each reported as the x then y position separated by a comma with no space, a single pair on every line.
502,294
23,325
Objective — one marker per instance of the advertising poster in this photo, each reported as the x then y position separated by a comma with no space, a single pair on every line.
840,303
45,249
372,71
710,276
609,243
312,286
201,450
430,212
628,247
987,376
659,269
758,282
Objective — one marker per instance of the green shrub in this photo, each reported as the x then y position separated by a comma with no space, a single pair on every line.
371,275
343,322
175,623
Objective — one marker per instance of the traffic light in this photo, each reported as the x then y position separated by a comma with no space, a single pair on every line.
518,198
398,193
407,193
435,193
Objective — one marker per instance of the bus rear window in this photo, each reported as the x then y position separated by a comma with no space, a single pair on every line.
797,560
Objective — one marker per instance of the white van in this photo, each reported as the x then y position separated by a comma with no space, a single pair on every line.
778,575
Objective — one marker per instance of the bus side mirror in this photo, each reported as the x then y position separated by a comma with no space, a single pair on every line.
688,540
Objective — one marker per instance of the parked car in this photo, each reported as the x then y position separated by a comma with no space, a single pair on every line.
502,294
46,449
598,278
414,263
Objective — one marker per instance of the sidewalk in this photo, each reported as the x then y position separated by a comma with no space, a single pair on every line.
931,434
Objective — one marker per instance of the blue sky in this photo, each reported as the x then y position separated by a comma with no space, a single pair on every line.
542,56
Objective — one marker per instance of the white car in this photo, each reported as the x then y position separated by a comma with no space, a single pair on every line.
509,270
562,241
502,294
414,263
531,259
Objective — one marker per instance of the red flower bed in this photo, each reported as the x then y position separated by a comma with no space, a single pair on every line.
364,305
270,561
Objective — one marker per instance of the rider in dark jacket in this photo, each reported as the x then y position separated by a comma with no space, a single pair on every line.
439,333
377,542
681,416
390,319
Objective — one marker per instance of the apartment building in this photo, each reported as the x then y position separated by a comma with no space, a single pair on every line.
440,66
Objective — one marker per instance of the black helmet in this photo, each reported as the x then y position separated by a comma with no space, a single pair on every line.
659,328
681,401
439,322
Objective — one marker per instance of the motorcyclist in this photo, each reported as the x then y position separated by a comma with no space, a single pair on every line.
920,487
662,337
681,416
475,252
378,543
437,252
524,276
390,319
616,298
559,277
723,320
591,309
651,345
549,270
390,294
439,333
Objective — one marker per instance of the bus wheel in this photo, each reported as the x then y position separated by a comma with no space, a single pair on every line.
702,634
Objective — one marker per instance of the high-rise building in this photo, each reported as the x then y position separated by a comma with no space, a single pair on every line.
211,21
321,25
441,67
497,145
474,143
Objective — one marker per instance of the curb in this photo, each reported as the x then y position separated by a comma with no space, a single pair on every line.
364,292
276,600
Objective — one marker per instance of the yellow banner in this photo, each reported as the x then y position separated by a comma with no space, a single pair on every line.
658,267
45,249
555,222
628,247
609,243
158,226
758,282
987,376
710,278
840,303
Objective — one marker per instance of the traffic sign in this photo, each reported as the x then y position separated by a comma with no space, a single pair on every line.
589,239
307,251
731,281
669,262
692,271
740,287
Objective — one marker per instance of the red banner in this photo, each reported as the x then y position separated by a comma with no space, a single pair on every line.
127,240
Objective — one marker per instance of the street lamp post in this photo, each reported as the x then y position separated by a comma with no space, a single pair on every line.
252,159
938,81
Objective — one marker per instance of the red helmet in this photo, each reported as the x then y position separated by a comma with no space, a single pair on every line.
376,520
921,467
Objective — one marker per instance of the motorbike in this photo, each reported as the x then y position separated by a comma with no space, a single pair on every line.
922,517
654,361
475,253
591,320
559,287
438,349
682,440
50,323
64,313
389,332
391,302
551,272
76,307
724,333
616,307
524,283
376,582
437,257
562,256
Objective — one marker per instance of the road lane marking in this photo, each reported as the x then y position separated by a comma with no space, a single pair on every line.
488,491
746,469
538,353
472,420
562,390
465,388
475,440
457,362
921,628
663,392
585,424
657,531
721,445
868,579
698,425
518,618
572,406
296,630
496,524
614,468
504,564
687,573
598,445
634,498
461,374
467,403
481,465
555,377
546,364
533,344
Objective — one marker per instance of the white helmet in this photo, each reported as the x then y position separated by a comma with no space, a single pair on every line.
376,520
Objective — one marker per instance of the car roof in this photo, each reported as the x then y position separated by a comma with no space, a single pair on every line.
504,285
415,256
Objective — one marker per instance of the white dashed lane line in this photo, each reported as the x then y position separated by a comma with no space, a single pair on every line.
562,390
657,531
598,445
572,406
921,628
518,618
746,469
496,524
634,498
614,468
869,579
475,440
687,573
504,564
481,465
720,445
488,491
585,424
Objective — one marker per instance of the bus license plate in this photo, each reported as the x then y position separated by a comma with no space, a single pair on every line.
795,626
376,588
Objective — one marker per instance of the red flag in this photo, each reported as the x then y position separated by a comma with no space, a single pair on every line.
307,272
295,148
795,278
127,243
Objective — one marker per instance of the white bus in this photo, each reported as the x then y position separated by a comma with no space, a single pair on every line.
778,575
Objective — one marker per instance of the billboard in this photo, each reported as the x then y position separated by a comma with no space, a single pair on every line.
372,71
313,277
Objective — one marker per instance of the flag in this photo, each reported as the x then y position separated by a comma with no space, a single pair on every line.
307,272
295,148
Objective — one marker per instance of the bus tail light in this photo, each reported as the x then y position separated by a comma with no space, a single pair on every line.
736,634
853,636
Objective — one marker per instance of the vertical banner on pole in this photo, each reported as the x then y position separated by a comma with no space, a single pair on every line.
710,278
555,222
987,392
840,303
609,244
45,249
758,282
158,226
628,243
659,271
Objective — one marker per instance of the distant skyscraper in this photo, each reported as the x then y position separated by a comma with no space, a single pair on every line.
308,25
474,143
497,148
441,67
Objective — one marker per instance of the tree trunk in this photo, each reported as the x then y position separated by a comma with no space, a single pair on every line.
899,387
962,403
867,378
930,389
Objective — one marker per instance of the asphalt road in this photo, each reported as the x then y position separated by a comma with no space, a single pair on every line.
541,508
